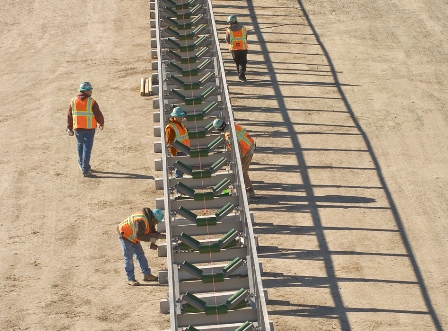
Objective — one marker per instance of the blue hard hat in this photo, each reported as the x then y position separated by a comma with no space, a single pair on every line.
231,19
178,112
218,123
158,214
85,86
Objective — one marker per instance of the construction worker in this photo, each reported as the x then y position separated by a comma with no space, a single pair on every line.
236,37
175,130
83,117
247,148
138,227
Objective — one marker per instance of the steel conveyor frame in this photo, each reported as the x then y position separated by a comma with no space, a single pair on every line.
238,314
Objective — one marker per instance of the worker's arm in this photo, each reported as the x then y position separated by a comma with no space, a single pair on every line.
151,236
228,36
98,115
170,136
70,118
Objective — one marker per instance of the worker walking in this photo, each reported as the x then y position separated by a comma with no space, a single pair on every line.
175,130
247,148
138,227
83,117
236,37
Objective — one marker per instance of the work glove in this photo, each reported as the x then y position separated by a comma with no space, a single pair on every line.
70,132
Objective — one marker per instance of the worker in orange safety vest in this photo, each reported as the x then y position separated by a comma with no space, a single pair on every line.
247,148
175,130
83,117
140,226
236,37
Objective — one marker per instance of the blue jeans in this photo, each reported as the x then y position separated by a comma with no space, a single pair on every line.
129,249
178,173
85,145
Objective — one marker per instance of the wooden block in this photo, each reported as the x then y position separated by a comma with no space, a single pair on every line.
147,90
142,86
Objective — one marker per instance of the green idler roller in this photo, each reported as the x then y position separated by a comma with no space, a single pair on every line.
247,326
237,298
216,310
190,241
194,301
209,248
206,220
227,239
191,269
188,214
213,278
232,266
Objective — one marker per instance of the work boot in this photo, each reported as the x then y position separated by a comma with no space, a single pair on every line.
150,278
251,192
133,282
242,77
88,174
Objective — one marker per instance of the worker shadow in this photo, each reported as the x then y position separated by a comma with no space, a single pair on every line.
151,284
118,175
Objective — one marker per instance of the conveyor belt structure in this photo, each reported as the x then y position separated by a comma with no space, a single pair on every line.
213,271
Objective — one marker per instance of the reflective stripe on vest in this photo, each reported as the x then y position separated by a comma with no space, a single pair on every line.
129,229
83,117
181,133
238,40
243,138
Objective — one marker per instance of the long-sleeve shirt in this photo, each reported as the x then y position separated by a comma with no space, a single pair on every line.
141,228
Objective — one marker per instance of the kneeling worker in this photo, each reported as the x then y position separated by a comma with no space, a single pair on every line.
247,148
138,227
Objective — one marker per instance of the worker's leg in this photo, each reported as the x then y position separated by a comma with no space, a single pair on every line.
87,151
79,134
84,138
141,258
178,173
128,252
242,60
245,163
235,59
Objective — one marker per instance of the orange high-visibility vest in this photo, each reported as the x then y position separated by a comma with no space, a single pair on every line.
83,117
129,227
238,39
243,138
181,133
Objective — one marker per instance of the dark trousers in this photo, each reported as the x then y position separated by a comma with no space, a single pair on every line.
240,58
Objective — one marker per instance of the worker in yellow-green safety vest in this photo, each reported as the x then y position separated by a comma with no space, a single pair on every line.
236,37
140,226
247,148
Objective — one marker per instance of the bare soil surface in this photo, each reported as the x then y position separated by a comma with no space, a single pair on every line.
348,104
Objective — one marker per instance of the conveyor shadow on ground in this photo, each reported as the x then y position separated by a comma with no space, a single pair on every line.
310,203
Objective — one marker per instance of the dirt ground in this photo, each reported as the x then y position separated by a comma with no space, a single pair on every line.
348,103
